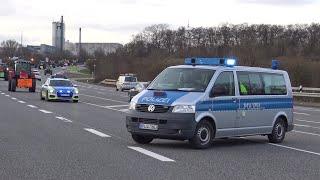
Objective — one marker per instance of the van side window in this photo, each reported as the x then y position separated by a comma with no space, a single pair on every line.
244,83
224,85
250,83
274,84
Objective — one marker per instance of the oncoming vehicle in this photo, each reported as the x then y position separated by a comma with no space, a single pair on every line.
59,89
138,88
48,70
211,98
126,82
21,76
36,74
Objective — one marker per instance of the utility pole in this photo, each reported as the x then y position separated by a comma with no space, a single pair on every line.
80,59
62,35
21,38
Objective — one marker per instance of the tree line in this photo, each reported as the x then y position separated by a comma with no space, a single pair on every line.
157,46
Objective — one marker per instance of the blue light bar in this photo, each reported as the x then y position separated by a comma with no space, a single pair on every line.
211,61
275,64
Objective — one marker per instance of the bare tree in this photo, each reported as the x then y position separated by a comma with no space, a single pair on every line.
10,48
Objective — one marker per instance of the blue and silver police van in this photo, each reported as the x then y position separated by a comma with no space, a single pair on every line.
209,98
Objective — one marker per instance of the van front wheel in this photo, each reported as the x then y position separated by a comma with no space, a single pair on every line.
141,139
204,135
278,132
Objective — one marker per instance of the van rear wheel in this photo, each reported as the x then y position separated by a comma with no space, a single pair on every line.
278,132
141,139
204,135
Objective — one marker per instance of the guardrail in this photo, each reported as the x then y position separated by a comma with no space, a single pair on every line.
306,92
109,82
297,91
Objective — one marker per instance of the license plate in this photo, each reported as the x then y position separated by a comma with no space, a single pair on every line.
65,95
153,127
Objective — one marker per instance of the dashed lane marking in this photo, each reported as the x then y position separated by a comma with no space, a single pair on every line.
98,133
64,119
3,93
151,154
7,95
117,106
307,109
32,106
302,120
300,113
22,102
45,111
102,98
301,125
13,98
296,149
105,107
308,133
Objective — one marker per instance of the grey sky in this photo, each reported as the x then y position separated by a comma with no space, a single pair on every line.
118,20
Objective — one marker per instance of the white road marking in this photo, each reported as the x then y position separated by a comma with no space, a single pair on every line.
13,98
302,132
105,107
102,98
124,110
296,149
45,111
3,93
301,125
32,106
306,114
93,131
7,95
22,102
93,104
302,120
64,119
151,154
117,106
307,109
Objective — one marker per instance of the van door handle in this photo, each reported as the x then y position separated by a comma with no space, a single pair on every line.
234,100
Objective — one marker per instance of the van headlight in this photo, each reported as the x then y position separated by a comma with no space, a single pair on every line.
184,109
132,105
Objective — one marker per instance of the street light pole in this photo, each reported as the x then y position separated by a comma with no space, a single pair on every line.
94,71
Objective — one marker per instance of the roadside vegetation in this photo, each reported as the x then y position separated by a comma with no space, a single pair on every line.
158,46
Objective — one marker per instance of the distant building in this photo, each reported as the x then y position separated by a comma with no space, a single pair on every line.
47,49
90,48
34,49
43,49
58,34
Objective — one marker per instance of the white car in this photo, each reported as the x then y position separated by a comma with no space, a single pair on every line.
36,74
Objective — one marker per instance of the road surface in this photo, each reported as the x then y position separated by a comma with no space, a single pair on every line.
88,140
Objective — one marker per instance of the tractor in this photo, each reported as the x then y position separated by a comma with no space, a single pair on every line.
4,71
21,76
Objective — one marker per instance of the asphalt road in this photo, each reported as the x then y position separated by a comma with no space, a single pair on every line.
88,140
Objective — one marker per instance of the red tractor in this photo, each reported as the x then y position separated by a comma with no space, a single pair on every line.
21,76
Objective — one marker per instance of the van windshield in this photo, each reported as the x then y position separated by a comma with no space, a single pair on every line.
182,79
130,79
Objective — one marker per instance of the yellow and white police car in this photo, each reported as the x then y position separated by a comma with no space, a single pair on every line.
59,89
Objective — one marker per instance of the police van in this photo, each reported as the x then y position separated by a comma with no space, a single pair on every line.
211,98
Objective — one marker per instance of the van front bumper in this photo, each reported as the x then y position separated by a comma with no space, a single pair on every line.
178,126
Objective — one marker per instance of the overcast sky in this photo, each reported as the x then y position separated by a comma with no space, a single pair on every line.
118,20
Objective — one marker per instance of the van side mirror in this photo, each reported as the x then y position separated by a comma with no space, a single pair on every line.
218,90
